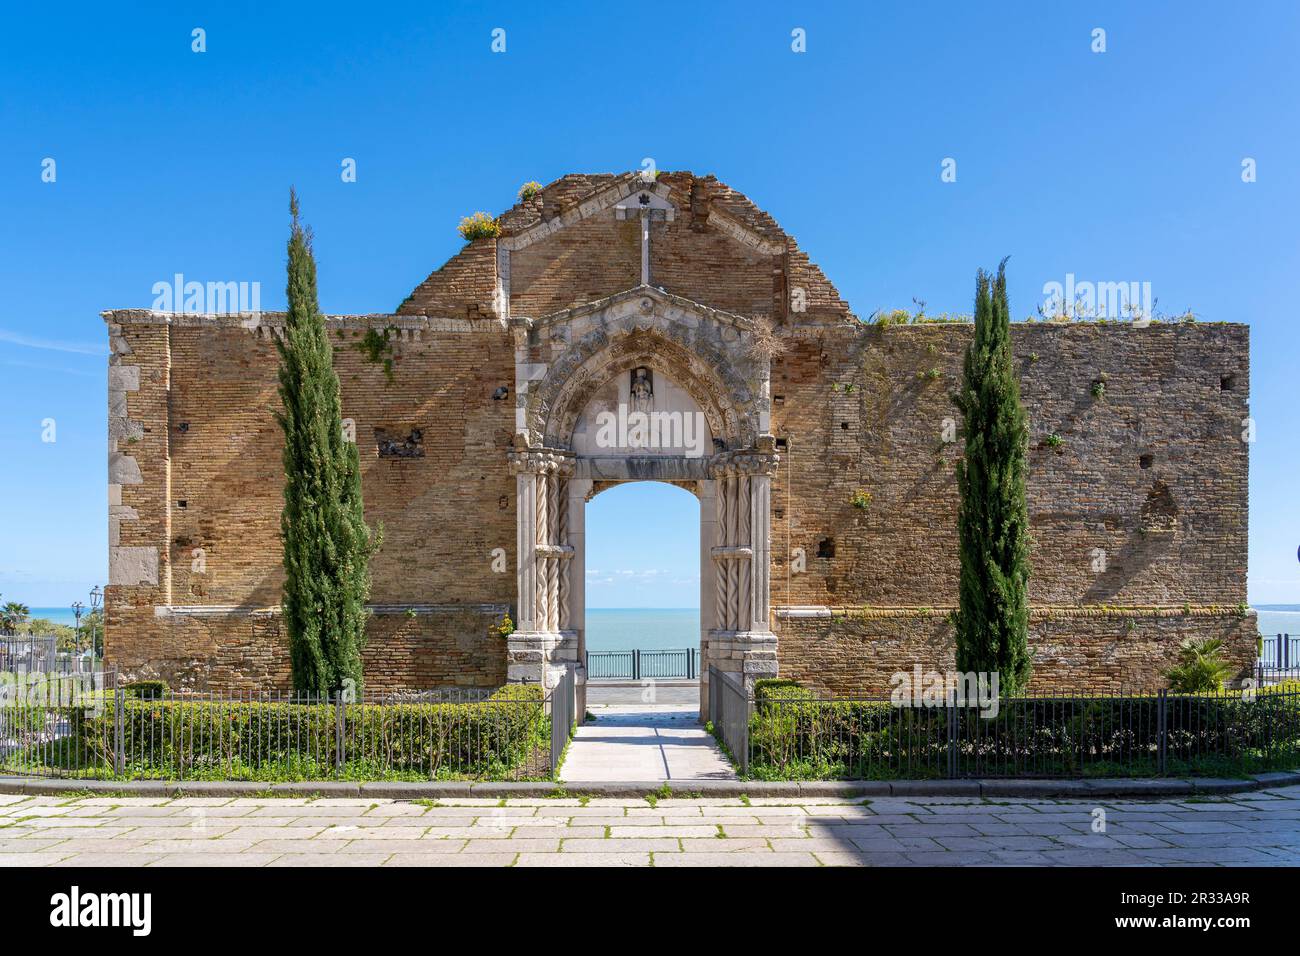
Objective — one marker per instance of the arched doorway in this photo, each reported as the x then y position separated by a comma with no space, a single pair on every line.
641,388
640,635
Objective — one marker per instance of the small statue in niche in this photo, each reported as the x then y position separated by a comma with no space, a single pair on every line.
642,388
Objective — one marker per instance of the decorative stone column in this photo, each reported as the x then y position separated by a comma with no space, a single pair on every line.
579,492
543,643
740,640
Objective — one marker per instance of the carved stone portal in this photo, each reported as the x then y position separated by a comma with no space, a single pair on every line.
543,641
642,352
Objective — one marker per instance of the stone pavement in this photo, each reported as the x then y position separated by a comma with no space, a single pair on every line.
678,693
1259,828
631,742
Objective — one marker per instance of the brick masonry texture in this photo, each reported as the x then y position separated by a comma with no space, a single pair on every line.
1138,511
1153,473
1087,650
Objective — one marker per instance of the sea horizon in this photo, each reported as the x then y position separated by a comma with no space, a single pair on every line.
655,628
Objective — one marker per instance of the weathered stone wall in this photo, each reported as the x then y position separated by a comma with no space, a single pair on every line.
1137,483
1085,650
208,501
239,651
1137,514
1153,472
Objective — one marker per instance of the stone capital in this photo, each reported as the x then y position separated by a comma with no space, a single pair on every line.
540,461
729,464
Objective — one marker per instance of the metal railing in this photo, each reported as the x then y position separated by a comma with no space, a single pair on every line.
40,653
643,665
729,713
564,715
88,726
802,734
1280,650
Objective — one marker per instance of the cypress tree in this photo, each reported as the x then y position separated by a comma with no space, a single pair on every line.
327,544
992,622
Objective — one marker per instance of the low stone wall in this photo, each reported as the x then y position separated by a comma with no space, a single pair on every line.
850,650
248,650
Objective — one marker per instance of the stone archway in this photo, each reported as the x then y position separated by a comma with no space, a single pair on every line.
700,366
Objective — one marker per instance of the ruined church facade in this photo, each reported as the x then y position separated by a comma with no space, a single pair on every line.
519,380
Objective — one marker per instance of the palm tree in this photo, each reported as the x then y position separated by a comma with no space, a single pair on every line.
1200,668
13,615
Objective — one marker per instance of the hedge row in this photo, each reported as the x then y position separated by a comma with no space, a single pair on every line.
793,734
506,735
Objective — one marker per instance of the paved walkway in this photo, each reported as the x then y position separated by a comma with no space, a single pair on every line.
681,693
1259,829
644,743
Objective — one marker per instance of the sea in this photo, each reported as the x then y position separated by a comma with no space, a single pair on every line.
642,628
1278,619
57,615
625,628
608,629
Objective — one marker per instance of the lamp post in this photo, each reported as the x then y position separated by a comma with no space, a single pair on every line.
77,608
96,600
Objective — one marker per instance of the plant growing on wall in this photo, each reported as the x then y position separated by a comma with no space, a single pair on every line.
378,350
529,189
327,545
861,499
762,342
479,226
992,624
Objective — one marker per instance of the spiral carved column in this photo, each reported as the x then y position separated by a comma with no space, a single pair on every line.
544,560
741,641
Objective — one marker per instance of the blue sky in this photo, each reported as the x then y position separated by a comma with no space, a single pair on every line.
1114,166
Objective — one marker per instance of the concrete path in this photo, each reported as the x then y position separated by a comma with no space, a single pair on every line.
1257,829
680,693
632,742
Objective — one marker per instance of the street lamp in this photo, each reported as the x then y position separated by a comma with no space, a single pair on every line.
96,599
77,608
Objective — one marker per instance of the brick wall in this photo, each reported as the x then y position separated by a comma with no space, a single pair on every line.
1172,525
1138,511
211,492
243,651
1083,650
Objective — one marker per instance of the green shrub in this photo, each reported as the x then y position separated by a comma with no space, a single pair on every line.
146,689
529,189
796,736
1200,668
183,739
776,687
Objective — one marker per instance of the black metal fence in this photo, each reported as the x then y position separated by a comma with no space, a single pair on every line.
564,716
794,733
87,726
729,713
643,665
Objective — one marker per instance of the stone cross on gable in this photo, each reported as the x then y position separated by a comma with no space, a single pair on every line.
650,206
